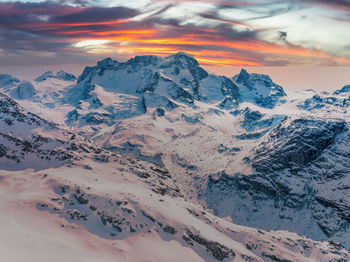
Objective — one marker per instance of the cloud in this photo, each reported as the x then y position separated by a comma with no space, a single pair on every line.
96,14
34,9
337,4
215,17
256,10
74,28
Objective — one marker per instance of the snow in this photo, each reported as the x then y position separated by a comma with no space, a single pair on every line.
43,236
151,134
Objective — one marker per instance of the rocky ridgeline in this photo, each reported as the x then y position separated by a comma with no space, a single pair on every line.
29,141
299,181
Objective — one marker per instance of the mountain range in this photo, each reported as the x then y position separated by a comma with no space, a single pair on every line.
157,158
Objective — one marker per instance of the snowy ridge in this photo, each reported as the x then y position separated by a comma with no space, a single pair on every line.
61,75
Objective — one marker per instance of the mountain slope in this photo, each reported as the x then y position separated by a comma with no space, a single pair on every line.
298,177
117,204
29,141
122,219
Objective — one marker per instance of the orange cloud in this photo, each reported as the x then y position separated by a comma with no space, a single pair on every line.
207,45
147,42
254,46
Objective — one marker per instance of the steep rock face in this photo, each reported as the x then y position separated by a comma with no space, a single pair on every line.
95,106
299,182
182,62
295,144
255,120
152,100
258,89
142,73
174,80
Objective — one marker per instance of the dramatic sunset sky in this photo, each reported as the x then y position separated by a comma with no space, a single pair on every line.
216,32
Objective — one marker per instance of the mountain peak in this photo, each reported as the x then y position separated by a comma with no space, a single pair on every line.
182,74
106,62
182,58
243,76
258,88
25,90
144,60
345,89
44,76
6,80
61,75
180,54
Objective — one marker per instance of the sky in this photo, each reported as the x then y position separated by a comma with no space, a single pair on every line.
218,33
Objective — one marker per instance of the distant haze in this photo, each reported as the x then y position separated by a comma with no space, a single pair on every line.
291,78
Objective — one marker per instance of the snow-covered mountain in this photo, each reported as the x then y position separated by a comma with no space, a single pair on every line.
158,154
258,89
59,75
